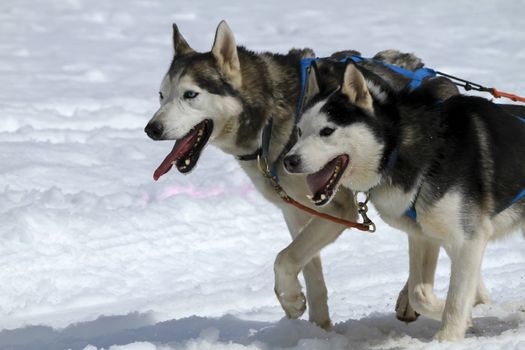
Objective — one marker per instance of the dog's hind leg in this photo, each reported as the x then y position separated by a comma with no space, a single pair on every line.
302,254
316,291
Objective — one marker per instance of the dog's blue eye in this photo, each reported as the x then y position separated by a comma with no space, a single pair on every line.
188,95
326,131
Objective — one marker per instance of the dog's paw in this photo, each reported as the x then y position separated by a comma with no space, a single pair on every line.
326,325
293,305
482,296
447,335
405,312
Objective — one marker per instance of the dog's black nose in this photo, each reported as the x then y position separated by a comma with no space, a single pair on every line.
292,162
154,130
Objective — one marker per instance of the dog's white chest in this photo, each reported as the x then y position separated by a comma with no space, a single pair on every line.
391,202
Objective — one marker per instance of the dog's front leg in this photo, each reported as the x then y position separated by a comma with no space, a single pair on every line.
311,234
404,311
419,297
465,259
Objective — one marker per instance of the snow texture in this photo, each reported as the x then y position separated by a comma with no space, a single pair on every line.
95,255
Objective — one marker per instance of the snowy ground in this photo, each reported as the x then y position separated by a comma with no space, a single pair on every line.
94,252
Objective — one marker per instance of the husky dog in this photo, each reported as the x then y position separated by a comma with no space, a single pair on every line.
455,165
224,97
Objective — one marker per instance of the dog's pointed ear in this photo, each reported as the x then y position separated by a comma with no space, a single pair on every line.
312,84
225,52
355,88
180,46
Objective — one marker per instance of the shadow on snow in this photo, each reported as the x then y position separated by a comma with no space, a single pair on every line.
375,329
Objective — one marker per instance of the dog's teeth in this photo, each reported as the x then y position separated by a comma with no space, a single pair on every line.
309,196
187,162
200,133
323,197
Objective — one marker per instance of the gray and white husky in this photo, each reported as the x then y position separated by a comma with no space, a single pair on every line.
456,166
224,97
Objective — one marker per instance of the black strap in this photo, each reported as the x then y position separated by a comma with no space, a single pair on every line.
265,144
265,141
251,156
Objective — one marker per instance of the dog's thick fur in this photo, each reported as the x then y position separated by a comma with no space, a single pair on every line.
237,91
457,162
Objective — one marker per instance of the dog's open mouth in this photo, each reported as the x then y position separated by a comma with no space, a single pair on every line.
187,150
323,183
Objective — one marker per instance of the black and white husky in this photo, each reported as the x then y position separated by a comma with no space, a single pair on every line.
450,173
224,97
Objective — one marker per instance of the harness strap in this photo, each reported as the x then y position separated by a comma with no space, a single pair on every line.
304,66
416,76
251,156
519,197
519,117
411,213
469,85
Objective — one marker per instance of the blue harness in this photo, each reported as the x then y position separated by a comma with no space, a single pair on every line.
416,78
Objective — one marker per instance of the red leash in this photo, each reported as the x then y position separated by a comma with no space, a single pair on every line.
365,226
498,94
362,208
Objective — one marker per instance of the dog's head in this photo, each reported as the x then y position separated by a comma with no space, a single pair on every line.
198,98
340,136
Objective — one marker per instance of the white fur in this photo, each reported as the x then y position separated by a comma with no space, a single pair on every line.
376,91
356,140
392,202
178,115
225,52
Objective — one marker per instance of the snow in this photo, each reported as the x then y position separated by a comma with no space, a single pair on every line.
96,255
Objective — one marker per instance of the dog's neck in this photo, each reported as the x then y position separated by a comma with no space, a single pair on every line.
270,89
416,140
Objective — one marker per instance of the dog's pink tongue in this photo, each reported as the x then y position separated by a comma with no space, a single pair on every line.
179,149
317,181
166,165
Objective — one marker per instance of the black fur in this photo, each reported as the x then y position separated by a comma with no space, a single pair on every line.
466,143
470,144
